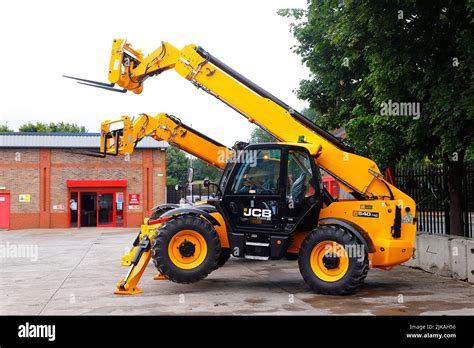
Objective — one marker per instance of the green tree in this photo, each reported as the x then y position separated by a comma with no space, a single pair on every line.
310,114
176,165
363,54
260,135
60,127
4,128
202,170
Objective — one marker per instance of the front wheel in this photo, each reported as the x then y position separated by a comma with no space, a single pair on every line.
332,261
186,249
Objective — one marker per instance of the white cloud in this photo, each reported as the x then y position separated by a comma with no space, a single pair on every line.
42,40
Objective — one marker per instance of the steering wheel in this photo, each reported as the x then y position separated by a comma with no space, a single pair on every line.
254,184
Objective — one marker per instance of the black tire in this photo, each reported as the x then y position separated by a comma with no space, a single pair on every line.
364,272
225,256
357,268
167,231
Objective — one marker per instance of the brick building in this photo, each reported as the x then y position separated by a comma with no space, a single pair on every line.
45,183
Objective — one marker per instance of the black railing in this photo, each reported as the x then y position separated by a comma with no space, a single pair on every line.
190,193
428,186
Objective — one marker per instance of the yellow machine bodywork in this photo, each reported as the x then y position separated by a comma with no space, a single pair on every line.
130,68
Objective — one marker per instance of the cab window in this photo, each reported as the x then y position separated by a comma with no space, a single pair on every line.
259,172
300,177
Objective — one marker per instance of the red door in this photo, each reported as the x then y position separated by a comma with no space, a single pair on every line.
4,210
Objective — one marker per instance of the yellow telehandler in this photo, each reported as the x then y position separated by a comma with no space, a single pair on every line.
270,199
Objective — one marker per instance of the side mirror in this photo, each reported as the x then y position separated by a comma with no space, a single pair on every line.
190,175
206,182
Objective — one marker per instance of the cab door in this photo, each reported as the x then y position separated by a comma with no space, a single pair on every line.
254,196
303,191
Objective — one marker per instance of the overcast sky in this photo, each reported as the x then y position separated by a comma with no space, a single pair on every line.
42,40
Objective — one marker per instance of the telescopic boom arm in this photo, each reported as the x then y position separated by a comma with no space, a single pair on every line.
129,69
163,127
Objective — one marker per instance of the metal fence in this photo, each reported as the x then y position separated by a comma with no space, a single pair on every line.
428,185
191,193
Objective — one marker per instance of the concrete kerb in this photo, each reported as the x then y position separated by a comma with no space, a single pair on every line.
458,249
470,260
444,255
435,254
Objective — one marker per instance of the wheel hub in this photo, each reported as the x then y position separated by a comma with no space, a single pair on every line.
331,261
187,249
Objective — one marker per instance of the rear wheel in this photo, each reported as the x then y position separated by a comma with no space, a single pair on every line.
186,249
332,261
365,271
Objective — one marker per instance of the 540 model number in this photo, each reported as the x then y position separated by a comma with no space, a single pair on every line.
368,214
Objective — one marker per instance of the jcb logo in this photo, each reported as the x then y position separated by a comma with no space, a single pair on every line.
265,214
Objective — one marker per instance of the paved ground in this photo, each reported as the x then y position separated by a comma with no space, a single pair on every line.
76,272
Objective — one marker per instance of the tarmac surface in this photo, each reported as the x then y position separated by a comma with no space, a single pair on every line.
74,272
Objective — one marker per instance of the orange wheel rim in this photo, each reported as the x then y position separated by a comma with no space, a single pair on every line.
187,249
329,261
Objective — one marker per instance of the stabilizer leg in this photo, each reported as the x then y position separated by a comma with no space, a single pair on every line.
128,285
127,258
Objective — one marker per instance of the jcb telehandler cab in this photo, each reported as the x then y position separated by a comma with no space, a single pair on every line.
269,194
